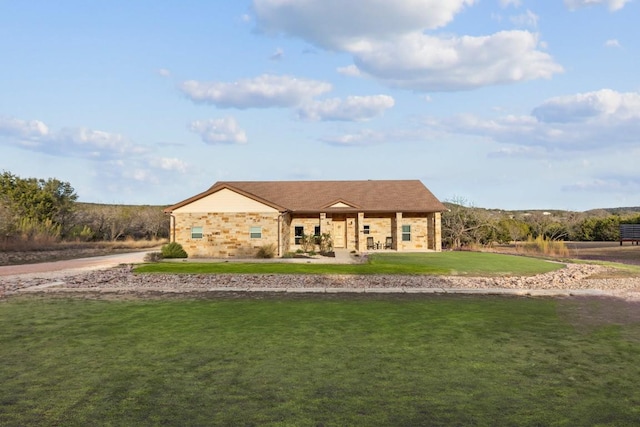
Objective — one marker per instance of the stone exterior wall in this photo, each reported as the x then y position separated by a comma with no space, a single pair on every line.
352,231
436,232
325,221
380,227
285,234
419,232
309,222
225,234
425,231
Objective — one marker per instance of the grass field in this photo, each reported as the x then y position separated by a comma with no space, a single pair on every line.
331,361
446,263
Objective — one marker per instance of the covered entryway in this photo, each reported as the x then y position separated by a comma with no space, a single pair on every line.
339,231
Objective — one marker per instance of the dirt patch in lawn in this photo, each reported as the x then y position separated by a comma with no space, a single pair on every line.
589,313
588,251
605,251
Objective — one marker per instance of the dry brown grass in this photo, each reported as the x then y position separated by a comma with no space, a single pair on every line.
605,251
623,260
588,251
547,247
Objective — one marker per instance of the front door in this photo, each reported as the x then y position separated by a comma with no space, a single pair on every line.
339,232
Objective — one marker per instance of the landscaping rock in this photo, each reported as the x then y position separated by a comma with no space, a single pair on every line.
573,277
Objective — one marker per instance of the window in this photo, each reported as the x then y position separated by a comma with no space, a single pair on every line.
406,233
366,229
316,231
255,232
298,231
196,232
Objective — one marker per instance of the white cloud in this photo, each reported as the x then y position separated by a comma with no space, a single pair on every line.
70,142
627,185
126,177
517,152
277,55
353,108
367,137
362,138
164,72
120,167
349,70
23,129
527,19
514,3
387,40
219,131
426,63
260,92
581,122
169,164
613,5
603,105
332,24
93,144
141,175
612,43
133,178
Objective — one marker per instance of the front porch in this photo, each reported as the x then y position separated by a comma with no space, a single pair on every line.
367,231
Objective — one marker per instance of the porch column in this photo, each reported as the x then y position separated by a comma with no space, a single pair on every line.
285,230
360,232
172,228
323,220
326,224
431,231
397,239
437,235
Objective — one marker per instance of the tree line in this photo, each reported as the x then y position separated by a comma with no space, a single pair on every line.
464,225
46,211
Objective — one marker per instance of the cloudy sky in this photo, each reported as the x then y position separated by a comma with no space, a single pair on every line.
512,104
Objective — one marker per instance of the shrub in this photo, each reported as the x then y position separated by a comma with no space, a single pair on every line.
545,246
308,242
173,250
326,243
153,256
42,232
266,251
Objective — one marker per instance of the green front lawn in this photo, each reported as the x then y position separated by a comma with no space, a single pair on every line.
442,263
311,361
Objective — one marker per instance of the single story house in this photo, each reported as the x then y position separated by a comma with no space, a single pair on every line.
236,218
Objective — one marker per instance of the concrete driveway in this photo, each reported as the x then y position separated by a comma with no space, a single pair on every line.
73,266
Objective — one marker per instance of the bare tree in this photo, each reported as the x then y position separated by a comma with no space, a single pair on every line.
463,224
545,224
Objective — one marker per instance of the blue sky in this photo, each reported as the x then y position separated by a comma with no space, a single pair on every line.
509,104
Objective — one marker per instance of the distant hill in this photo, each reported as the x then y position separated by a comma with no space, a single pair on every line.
616,211
558,213
100,205
494,212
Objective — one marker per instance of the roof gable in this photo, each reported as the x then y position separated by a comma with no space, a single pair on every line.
223,199
341,204
318,196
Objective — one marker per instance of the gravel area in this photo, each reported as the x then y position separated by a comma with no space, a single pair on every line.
574,279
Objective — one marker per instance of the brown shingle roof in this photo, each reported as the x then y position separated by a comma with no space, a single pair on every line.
316,196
